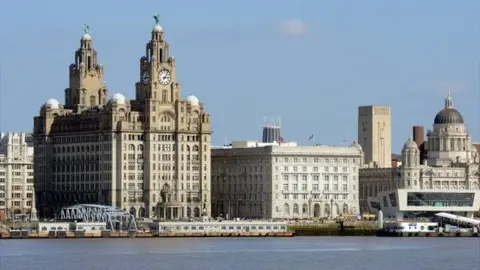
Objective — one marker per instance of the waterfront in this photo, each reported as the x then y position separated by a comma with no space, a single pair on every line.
243,253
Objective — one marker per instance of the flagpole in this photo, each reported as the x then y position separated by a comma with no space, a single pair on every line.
313,139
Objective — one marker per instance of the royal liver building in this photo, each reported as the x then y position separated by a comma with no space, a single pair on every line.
149,155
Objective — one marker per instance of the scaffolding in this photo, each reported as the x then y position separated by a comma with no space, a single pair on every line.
116,218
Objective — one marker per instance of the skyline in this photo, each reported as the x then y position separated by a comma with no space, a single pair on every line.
356,50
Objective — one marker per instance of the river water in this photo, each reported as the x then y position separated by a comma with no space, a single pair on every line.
350,253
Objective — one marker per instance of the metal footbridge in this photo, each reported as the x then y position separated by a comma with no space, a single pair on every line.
116,218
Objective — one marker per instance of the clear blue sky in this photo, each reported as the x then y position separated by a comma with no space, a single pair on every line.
310,62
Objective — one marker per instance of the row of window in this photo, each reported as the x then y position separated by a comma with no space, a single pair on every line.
243,197
76,139
15,167
16,203
316,160
164,138
17,180
316,169
17,195
326,187
244,187
315,196
326,178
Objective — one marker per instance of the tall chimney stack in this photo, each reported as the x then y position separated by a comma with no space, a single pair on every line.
418,135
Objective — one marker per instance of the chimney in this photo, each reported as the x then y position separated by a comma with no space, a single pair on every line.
418,135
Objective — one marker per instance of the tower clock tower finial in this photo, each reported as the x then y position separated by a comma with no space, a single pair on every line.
157,28
86,28
86,87
157,19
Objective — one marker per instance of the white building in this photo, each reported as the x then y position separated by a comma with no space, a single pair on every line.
16,175
283,180
448,182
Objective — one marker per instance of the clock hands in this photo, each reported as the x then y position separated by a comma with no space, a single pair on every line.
164,77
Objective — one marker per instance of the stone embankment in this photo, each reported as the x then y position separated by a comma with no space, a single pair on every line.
343,228
115,234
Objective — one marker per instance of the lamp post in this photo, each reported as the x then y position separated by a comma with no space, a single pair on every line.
331,208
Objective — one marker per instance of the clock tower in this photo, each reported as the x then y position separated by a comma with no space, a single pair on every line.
87,88
157,78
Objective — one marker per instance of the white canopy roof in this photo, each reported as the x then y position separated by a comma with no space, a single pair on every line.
459,218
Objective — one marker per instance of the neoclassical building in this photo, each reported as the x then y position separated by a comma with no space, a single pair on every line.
17,197
284,180
149,155
448,180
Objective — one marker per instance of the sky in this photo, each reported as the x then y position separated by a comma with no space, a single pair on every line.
310,62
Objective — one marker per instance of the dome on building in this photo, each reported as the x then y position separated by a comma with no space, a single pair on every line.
157,28
52,103
356,145
192,100
118,98
448,115
86,36
410,144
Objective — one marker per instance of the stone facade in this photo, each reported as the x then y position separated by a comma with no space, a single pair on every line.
452,163
375,135
149,155
16,176
379,180
283,180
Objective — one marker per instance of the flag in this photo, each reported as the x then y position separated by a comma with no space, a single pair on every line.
345,141
311,137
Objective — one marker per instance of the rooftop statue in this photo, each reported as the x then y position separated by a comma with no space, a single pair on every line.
157,19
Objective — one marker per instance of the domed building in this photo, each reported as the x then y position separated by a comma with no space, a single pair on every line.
447,181
449,141
149,156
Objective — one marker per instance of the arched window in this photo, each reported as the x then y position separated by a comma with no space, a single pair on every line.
327,210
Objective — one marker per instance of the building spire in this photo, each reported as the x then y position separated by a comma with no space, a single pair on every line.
449,101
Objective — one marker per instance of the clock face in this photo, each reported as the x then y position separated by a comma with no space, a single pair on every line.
145,77
164,77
